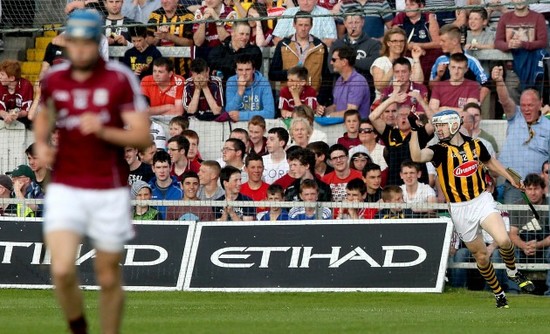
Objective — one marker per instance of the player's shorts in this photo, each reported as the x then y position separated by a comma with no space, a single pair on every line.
467,216
102,215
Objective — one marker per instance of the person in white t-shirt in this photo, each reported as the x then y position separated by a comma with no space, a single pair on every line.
275,163
414,191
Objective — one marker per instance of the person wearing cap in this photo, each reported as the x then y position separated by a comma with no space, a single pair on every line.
98,109
25,187
142,191
6,189
460,162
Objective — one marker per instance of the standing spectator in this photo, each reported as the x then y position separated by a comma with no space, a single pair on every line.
275,163
230,179
351,122
255,187
256,133
301,164
414,191
164,186
296,92
141,56
479,37
139,10
248,92
456,17
208,35
342,173
139,170
209,174
190,186
222,58
203,93
42,172
323,24
116,24
16,94
309,193
142,191
351,90
526,145
377,15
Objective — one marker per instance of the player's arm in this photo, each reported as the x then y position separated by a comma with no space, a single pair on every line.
417,154
496,167
135,132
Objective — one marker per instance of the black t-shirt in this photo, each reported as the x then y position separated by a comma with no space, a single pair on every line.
133,58
143,173
247,211
54,54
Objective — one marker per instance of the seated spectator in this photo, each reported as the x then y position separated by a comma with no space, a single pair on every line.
301,48
261,35
342,173
208,35
178,147
141,56
242,135
139,10
296,92
275,193
203,93
301,164
146,154
372,175
477,132
222,58
351,88
256,132
248,92
176,33
393,194
377,15
230,179
41,171
25,187
370,146
323,25
321,151
524,33
468,121
233,153
350,138
254,187
139,170
394,45
275,163
6,189
300,132
116,24
359,160
544,175
309,193
356,192
456,92
193,155
306,112
177,125
142,191
209,174
190,186
163,185
479,37
414,191
16,94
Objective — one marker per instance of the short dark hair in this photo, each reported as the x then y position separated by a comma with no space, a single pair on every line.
370,167
481,11
245,58
402,61
352,112
308,184
198,65
252,157
319,147
347,53
30,150
389,190
238,145
189,174
275,189
357,184
183,143
459,57
162,156
471,105
281,133
226,172
534,180
410,164
302,14
138,31
243,132
304,156
164,62
300,71
338,147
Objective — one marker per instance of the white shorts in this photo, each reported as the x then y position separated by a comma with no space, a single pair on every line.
467,216
102,215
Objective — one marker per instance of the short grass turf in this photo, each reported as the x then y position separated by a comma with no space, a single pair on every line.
455,311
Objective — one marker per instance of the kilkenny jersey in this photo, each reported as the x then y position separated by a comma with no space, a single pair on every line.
460,169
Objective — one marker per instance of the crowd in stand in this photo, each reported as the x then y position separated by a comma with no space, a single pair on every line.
365,67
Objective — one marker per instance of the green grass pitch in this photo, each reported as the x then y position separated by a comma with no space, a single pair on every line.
455,311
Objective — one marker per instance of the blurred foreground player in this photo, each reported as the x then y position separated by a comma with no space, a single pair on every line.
459,161
95,108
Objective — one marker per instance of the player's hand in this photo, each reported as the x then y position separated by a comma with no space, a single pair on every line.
414,121
90,123
497,74
45,153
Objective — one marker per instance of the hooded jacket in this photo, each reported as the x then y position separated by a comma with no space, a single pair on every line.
256,100
173,193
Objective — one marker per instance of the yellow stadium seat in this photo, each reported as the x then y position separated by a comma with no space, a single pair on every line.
42,42
31,67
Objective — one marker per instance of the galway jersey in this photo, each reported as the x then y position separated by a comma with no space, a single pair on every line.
87,161
460,169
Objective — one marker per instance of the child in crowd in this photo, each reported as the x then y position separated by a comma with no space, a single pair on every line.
297,92
309,193
177,125
351,122
479,38
275,193
140,57
356,192
142,191
359,160
393,194
256,133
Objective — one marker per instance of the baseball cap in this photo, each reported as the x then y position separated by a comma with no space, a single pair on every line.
6,182
137,186
23,170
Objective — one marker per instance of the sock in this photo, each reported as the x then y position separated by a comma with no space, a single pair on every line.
509,258
490,277
78,325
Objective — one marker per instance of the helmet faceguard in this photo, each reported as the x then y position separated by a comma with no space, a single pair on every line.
449,117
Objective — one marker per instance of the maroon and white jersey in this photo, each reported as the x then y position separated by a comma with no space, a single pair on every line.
87,161
21,98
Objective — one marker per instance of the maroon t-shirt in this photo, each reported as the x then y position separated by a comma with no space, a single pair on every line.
21,98
87,161
455,96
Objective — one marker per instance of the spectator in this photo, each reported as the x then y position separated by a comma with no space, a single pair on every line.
275,193
164,187
139,170
296,92
141,56
523,32
544,175
456,92
248,92
309,193
359,160
256,132
275,163
369,145
25,187
255,188
222,58
366,47
142,191
531,235
209,35
6,189
233,152
300,132
479,37
190,186
394,45
146,154
302,49
177,125
16,94
527,134
242,135
477,132
372,175
178,147
176,33
301,164
351,122
377,15
351,88
306,112
414,191
116,24
356,192
467,129
139,10
230,179
456,17
393,194
41,171
261,34
342,173
320,149
193,155
203,94
209,174
323,24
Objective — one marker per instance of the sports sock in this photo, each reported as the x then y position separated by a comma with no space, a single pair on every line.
509,258
490,277
78,325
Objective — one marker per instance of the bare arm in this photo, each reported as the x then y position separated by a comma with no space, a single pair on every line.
168,109
507,103
417,154
381,79
496,167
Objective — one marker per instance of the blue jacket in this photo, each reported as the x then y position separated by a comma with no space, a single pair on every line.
256,100
173,193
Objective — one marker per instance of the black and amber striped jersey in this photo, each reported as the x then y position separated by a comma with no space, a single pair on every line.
460,169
